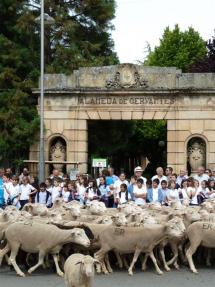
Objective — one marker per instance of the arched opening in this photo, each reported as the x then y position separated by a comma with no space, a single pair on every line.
196,154
127,144
57,154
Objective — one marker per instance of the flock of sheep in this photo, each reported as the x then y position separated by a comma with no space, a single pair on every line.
79,238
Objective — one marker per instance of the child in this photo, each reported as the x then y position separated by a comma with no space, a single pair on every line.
56,190
164,190
172,193
211,188
203,192
14,192
155,194
92,192
104,190
194,192
131,185
65,193
140,192
184,193
26,190
81,188
73,194
124,196
7,185
42,195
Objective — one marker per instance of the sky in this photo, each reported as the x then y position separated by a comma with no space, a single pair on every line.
140,21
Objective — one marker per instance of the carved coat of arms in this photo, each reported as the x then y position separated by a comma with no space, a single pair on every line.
127,77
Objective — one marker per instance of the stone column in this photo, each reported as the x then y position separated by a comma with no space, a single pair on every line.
177,133
77,146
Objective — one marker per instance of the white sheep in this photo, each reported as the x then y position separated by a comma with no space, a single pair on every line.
79,270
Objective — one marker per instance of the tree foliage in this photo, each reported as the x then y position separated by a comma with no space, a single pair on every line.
177,49
80,37
81,34
207,64
18,68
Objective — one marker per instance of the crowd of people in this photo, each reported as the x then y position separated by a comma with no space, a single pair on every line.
164,187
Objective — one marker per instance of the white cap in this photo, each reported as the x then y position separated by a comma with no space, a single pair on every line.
138,168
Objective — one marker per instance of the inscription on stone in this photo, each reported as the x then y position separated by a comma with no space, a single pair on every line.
139,100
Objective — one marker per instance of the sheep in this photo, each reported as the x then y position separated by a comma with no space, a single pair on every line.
79,270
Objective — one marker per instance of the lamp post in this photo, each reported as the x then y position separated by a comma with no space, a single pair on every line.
43,19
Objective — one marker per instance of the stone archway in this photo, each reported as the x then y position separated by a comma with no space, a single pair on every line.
126,92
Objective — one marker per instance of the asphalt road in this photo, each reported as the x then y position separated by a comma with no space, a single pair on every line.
182,278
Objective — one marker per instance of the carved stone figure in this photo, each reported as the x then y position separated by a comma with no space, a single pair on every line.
58,153
196,154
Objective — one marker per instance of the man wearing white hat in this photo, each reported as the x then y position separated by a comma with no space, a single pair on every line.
138,171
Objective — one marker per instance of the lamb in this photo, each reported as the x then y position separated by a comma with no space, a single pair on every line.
79,270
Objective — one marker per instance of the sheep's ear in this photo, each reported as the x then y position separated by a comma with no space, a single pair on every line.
95,261
5,216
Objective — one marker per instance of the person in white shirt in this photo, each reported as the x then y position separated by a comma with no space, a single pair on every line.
92,192
193,189
118,183
7,185
183,191
56,174
160,175
123,196
201,175
56,190
138,171
42,195
82,185
26,191
172,193
14,191
65,193
140,192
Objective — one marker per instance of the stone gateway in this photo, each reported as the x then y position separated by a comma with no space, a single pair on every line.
130,92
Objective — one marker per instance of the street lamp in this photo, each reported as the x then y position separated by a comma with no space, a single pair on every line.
43,19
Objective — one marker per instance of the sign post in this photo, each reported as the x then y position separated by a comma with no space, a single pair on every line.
98,163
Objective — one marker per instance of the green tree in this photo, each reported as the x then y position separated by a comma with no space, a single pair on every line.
120,141
18,115
207,64
81,35
177,49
